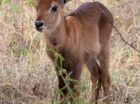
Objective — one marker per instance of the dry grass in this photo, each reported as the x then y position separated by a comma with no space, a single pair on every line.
27,75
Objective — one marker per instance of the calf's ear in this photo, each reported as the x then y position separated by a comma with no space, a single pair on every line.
64,1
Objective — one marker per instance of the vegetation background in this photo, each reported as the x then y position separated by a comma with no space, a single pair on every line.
27,75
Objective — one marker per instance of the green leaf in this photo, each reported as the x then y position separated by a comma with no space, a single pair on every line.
30,3
23,52
5,1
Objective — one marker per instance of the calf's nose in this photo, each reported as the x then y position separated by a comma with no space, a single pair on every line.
39,24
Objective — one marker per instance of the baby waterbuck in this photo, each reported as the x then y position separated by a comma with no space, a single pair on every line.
82,37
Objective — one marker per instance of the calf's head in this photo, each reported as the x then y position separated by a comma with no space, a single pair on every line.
48,14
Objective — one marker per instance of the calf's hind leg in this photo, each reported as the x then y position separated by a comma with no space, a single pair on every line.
93,67
105,75
105,33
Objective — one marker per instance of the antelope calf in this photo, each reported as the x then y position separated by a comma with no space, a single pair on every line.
82,37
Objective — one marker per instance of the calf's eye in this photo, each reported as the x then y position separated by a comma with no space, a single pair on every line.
54,9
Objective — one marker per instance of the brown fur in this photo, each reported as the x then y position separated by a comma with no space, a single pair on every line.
81,37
